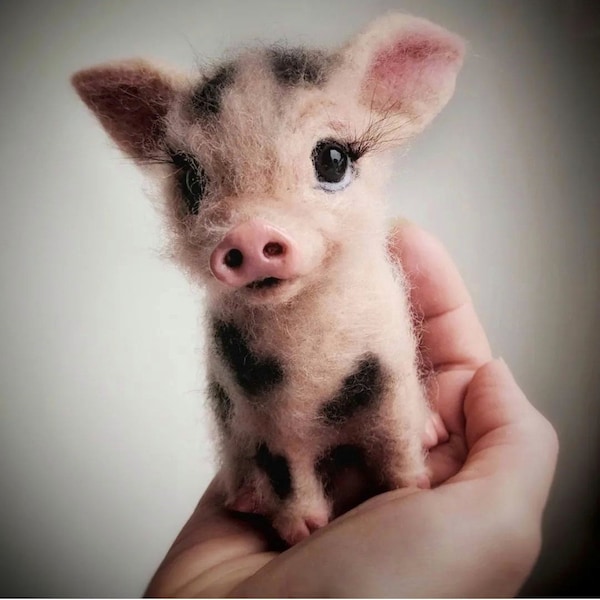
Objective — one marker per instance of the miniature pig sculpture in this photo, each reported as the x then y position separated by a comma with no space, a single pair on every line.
272,168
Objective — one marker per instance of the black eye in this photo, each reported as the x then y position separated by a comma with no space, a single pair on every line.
332,165
192,181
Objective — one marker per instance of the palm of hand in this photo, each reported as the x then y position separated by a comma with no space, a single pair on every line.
502,453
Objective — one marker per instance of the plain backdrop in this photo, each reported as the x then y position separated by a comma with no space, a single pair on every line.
104,442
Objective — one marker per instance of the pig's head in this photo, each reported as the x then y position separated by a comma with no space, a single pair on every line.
272,163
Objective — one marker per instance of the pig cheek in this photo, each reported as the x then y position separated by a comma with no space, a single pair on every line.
322,235
313,249
200,247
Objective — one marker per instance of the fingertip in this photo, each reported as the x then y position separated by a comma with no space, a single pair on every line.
493,386
405,234
434,279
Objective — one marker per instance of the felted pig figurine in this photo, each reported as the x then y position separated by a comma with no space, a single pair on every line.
272,167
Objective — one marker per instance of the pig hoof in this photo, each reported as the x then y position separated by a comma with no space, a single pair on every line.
423,482
435,432
413,480
419,479
296,530
245,502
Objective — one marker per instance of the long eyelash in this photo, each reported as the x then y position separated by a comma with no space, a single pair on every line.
180,160
359,147
154,160
378,133
373,139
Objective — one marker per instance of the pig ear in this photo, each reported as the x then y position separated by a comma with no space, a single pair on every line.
131,99
407,68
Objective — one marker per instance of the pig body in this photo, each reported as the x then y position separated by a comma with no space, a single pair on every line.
272,168
336,367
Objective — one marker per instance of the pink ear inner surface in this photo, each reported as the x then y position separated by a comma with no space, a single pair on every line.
415,67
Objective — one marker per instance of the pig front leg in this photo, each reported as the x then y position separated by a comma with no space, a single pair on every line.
282,487
244,487
305,508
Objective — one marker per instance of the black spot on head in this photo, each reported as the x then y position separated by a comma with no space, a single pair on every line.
295,66
206,99
254,374
221,402
276,467
360,389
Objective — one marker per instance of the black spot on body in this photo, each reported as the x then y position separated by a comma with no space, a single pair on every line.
276,468
221,402
206,99
360,389
294,66
337,459
347,478
254,374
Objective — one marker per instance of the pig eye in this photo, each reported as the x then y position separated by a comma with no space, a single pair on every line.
192,181
333,166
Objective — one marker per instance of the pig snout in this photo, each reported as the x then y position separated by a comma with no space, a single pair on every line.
255,252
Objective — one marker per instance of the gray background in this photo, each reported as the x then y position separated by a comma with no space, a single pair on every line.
104,449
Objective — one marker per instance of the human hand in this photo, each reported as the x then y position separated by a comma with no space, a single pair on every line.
476,534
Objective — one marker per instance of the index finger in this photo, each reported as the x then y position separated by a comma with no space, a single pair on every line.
452,336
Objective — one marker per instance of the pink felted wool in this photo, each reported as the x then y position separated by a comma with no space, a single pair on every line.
271,167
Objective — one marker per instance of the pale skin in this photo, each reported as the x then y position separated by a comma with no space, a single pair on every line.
477,532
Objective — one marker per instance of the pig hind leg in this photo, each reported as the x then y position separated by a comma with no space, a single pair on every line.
385,416
396,443
247,490
285,489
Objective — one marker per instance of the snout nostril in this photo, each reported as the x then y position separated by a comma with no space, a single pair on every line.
273,249
234,258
